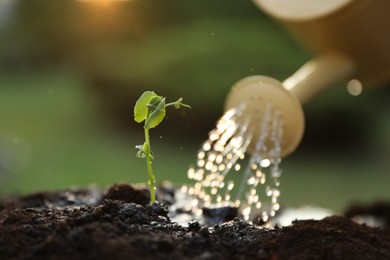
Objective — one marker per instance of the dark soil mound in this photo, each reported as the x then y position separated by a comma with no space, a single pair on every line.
91,224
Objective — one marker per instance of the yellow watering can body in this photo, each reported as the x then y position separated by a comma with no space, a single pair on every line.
357,29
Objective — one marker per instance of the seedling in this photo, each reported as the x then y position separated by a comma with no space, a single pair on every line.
150,108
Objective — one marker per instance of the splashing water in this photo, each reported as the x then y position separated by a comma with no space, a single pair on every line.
256,126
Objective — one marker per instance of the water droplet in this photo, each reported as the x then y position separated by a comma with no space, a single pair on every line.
191,173
191,191
254,166
251,180
252,191
211,157
184,189
213,136
206,146
246,212
219,159
264,216
194,203
268,191
262,179
201,155
230,185
208,166
201,163
265,163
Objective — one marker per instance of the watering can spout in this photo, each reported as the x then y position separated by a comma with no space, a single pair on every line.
350,40
318,74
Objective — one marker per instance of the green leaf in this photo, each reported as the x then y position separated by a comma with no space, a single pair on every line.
140,155
141,152
157,112
141,106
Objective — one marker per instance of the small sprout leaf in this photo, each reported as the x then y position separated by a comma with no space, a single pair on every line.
141,107
140,155
141,152
139,147
157,112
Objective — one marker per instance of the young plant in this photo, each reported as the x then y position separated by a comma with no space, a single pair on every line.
150,109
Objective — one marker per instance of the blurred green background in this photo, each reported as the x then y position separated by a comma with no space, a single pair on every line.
71,71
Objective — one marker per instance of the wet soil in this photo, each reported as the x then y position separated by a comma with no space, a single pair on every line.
119,224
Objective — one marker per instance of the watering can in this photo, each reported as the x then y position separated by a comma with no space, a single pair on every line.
351,39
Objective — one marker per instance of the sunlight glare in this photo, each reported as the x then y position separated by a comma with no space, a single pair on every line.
102,3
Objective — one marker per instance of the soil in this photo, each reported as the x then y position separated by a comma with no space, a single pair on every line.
119,224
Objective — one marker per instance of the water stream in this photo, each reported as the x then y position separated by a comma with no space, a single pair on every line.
238,166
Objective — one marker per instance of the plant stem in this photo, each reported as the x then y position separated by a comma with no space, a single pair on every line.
152,180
